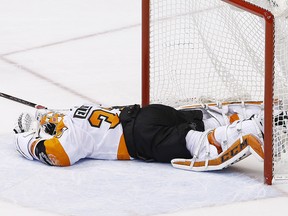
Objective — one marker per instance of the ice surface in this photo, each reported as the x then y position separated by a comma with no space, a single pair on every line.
120,187
64,53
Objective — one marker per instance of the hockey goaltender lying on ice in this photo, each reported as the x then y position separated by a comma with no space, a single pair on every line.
199,138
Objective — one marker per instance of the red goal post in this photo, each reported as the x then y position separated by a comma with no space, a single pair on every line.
149,53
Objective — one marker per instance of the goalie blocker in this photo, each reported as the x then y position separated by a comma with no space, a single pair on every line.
208,137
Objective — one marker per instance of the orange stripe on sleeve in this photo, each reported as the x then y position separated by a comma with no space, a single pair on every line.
56,152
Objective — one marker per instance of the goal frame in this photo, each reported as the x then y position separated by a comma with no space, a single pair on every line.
268,17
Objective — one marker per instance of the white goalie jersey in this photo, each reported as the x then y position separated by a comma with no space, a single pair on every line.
85,132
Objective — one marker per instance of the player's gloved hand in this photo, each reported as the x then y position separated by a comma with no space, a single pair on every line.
50,128
26,130
23,142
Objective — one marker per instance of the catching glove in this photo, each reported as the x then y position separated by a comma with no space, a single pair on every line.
25,122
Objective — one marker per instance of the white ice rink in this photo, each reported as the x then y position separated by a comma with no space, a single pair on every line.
61,53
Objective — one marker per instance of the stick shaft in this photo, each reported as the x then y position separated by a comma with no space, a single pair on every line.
19,100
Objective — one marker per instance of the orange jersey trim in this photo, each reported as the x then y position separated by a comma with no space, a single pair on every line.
122,153
56,152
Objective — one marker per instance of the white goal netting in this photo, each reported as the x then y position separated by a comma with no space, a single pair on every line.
210,51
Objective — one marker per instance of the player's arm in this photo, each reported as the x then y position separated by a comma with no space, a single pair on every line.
30,145
48,151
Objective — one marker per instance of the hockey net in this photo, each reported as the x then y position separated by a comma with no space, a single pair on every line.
197,51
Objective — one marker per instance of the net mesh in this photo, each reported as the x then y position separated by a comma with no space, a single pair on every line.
280,133
210,51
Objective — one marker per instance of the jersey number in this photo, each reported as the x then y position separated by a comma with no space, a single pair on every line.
99,116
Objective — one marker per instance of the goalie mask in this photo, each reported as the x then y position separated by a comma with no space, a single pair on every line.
49,121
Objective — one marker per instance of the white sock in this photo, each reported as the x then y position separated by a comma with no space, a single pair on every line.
194,139
231,134
210,123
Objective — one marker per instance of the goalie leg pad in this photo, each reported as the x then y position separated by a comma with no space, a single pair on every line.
215,115
236,152
222,147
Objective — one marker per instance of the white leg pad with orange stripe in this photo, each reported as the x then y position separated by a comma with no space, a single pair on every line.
239,150
233,112
222,147
227,112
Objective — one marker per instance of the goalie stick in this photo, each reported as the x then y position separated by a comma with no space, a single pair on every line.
19,100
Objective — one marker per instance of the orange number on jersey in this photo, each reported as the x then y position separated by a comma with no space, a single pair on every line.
98,116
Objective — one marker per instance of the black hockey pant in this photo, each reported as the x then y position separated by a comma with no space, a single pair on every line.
157,132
